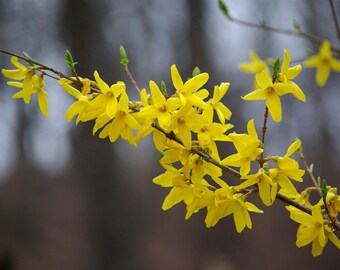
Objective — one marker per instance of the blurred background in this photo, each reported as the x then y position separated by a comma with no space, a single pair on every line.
69,200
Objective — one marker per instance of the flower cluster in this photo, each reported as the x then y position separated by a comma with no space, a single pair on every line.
31,83
187,128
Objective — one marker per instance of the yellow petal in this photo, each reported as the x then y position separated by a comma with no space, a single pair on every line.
325,49
164,120
293,147
184,134
322,74
157,96
240,219
195,83
334,239
43,103
312,61
285,61
274,106
177,195
263,79
296,91
176,78
164,180
102,85
259,94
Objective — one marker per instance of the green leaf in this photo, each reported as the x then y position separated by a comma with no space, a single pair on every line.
26,55
196,71
296,26
28,58
69,61
224,8
276,66
300,150
123,57
324,188
163,89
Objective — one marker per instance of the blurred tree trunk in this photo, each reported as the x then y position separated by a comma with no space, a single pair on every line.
94,161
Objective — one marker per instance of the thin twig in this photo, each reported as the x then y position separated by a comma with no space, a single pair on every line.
44,67
264,130
132,80
297,33
309,171
334,221
335,18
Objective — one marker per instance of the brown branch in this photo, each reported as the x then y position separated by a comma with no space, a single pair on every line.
298,33
44,67
335,18
198,152
235,173
132,80
264,130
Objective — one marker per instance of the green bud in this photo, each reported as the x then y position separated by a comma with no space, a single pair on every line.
299,150
161,154
276,66
196,71
163,89
69,61
296,26
324,188
28,58
224,8
123,57
319,181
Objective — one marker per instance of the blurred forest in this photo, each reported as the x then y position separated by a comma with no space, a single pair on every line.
69,200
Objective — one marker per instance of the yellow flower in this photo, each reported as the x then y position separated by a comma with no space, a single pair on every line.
208,131
39,85
161,108
313,229
256,65
181,124
267,188
289,73
188,91
107,100
227,202
80,105
195,195
222,111
302,198
333,202
248,148
32,85
324,62
16,74
121,125
270,92
288,166
21,73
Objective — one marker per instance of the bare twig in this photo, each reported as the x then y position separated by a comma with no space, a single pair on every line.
132,80
297,33
43,67
335,18
334,221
